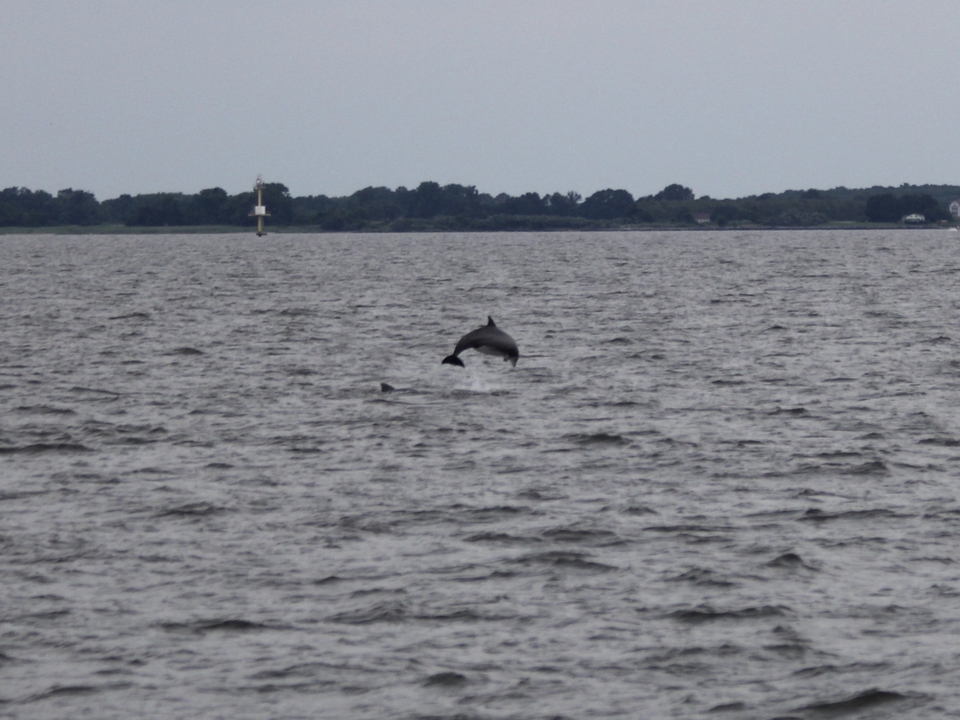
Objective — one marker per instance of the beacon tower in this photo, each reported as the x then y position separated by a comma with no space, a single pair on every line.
260,211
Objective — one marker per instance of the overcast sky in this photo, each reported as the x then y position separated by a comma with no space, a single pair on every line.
727,97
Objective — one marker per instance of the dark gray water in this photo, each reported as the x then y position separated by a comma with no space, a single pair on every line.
720,482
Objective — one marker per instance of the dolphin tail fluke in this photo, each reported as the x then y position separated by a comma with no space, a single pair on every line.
452,360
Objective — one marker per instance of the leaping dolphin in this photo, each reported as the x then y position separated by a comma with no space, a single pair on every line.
490,340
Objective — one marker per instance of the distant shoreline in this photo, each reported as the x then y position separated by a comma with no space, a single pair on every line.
306,230
431,207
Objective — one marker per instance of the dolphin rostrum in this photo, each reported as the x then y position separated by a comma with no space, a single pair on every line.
490,340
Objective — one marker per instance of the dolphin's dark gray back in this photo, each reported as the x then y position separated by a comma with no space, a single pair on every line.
488,339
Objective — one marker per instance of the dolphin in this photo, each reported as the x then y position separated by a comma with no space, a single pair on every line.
490,340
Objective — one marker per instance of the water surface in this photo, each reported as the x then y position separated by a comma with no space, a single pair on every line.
720,482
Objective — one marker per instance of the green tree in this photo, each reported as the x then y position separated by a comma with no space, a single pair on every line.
426,201
121,209
162,210
527,204
883,208
208,207
566,205
726,213
674,193
28,208
77,207
608,205
923,204
459,200
276,196
378,203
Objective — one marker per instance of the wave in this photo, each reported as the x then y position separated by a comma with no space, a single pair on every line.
703,577
871,699
391,612
818,515
600,438
192,510
790,561
45,410
132,316
446,679
35,448
202,627
705,613
565,560
582,537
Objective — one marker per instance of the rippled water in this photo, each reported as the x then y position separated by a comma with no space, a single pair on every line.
721,481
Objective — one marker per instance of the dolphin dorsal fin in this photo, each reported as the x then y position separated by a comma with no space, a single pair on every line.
490,322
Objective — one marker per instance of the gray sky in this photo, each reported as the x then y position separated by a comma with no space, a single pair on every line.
730,98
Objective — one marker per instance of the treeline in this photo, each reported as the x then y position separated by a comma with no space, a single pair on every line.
888,208
20,207
431,206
